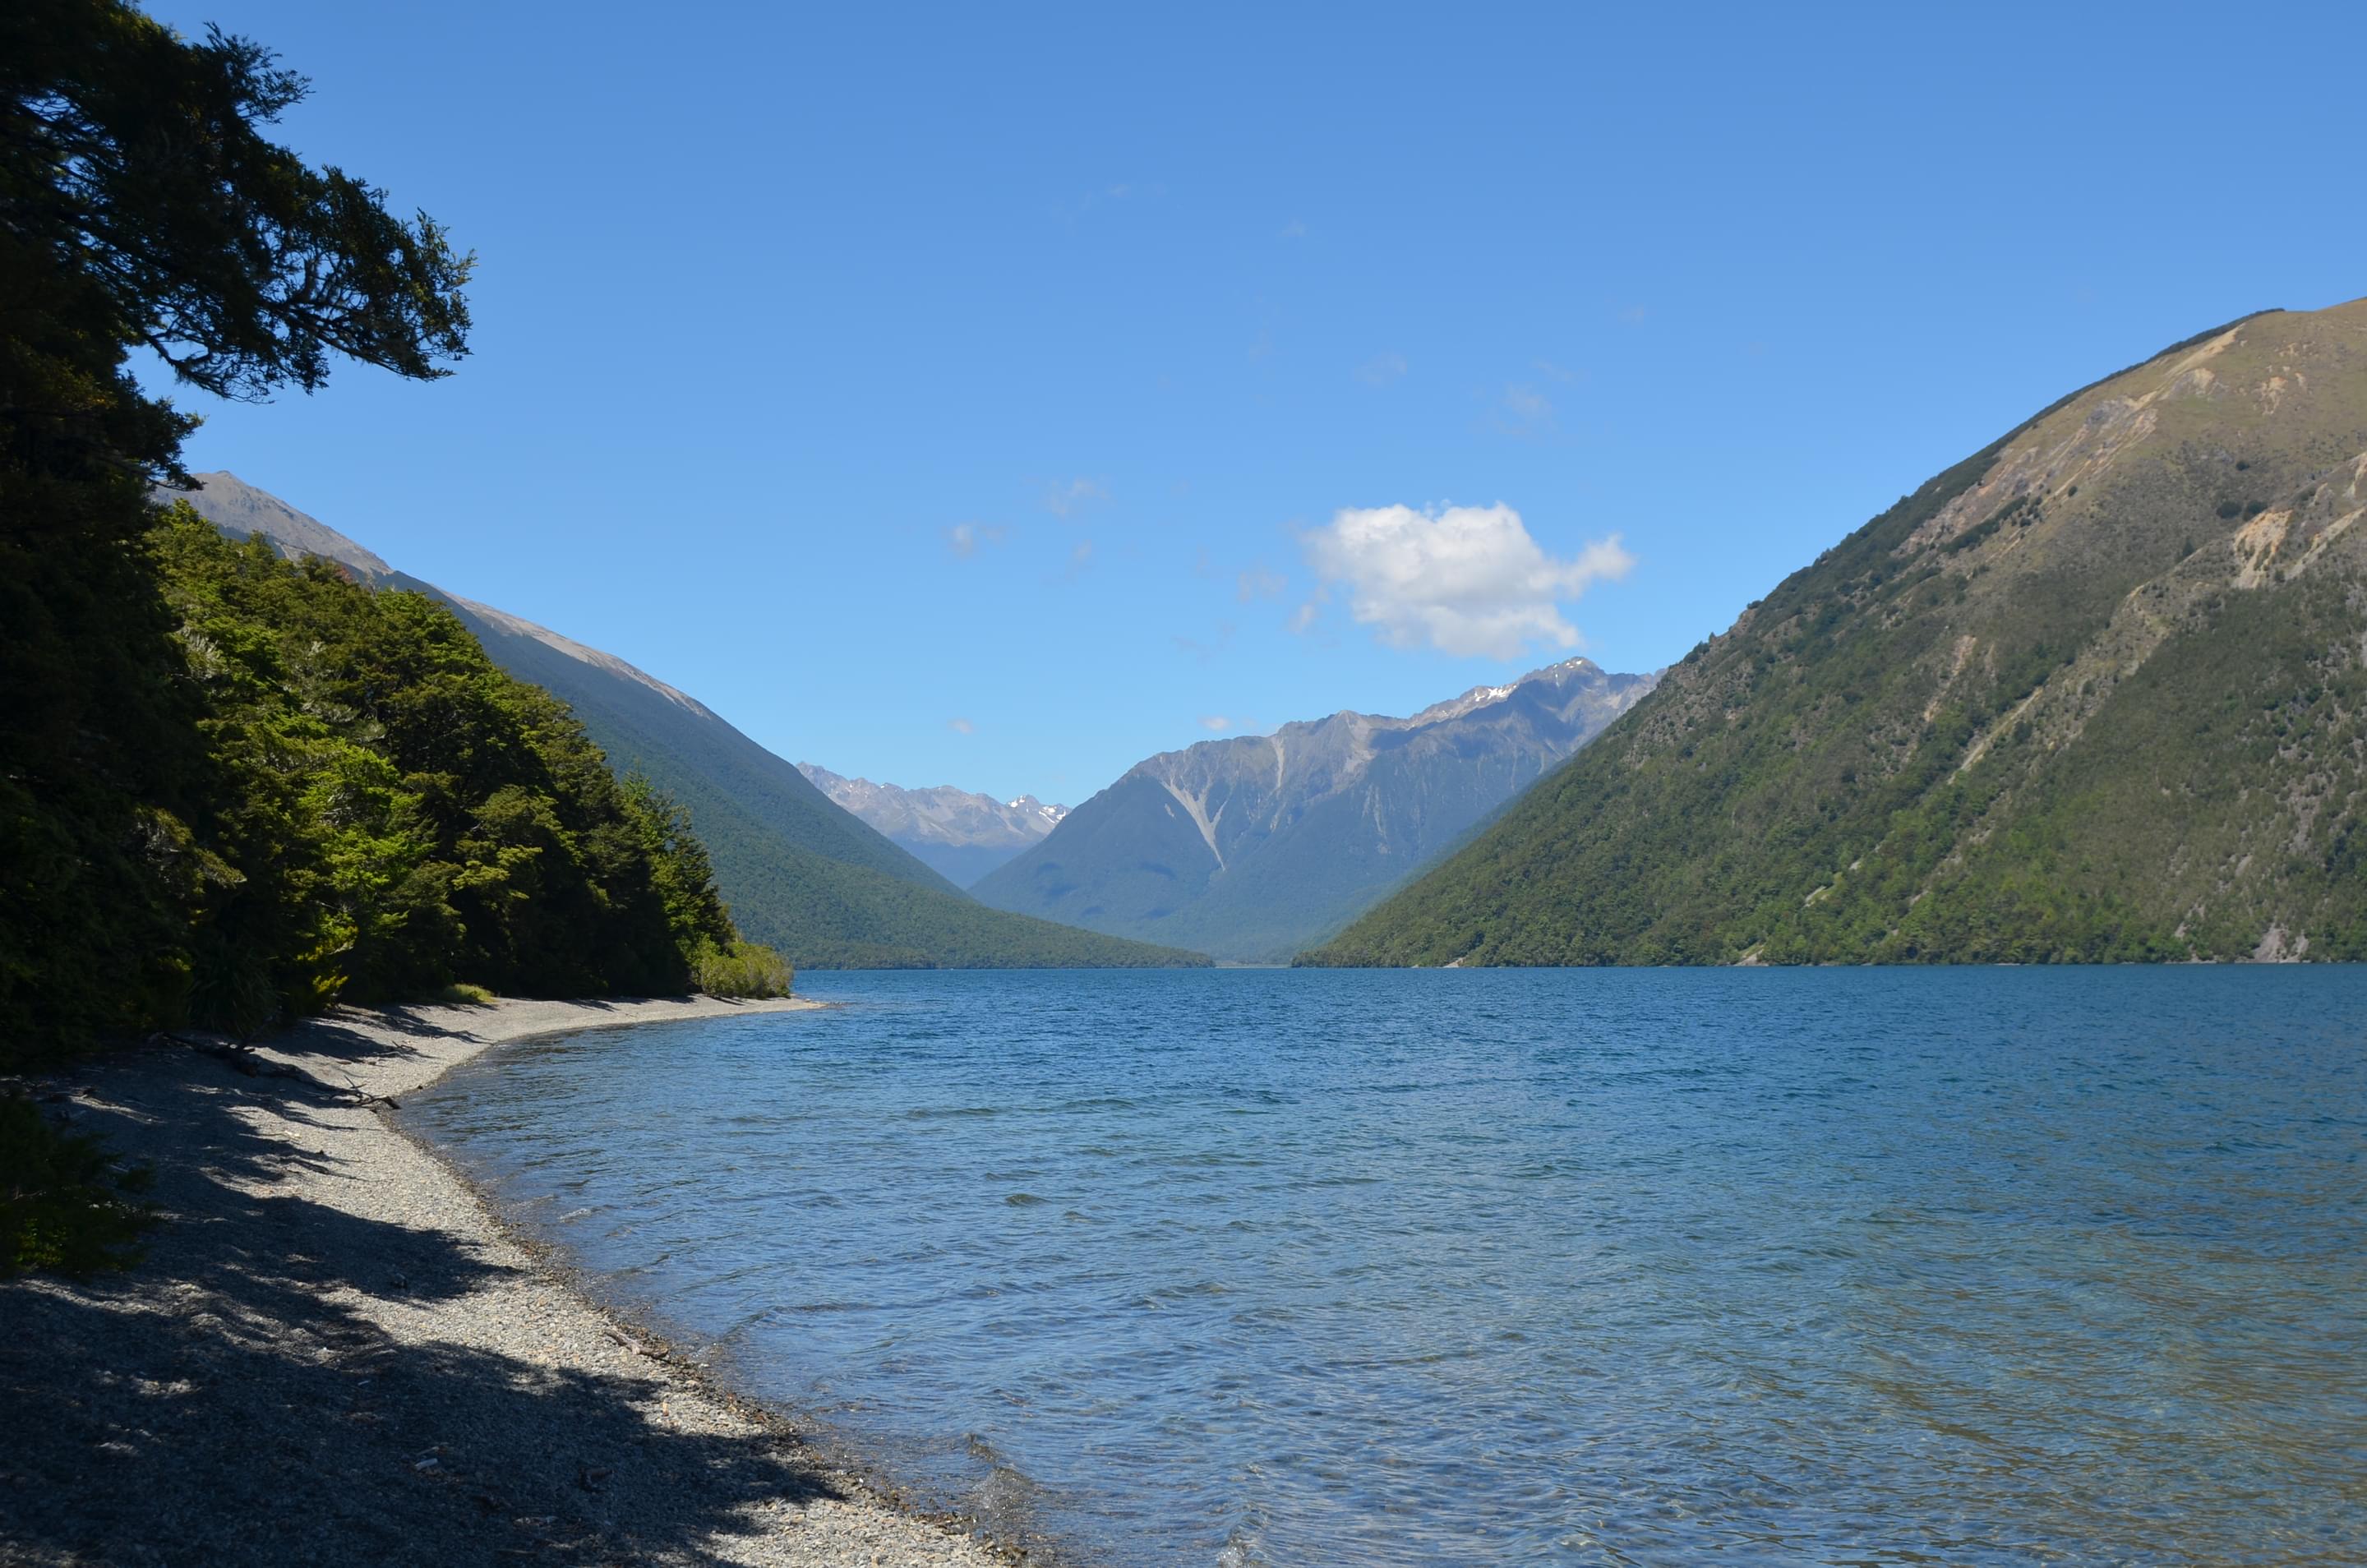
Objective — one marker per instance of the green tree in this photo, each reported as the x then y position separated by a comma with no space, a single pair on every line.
137,176
400,813
142,205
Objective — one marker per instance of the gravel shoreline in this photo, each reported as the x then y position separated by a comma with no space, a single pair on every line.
335,1351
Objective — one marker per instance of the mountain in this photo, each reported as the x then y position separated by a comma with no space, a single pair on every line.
958,834
2098,691
241,511
799,873
1250,846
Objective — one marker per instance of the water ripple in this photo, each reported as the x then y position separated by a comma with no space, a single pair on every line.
1253,1269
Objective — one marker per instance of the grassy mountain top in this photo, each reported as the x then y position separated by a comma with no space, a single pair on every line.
2095,693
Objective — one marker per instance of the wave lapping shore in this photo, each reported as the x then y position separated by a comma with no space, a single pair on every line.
334,1353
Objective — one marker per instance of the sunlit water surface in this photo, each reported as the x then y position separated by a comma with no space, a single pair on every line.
1476,1267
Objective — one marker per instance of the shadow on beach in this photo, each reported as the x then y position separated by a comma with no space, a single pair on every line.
230,1400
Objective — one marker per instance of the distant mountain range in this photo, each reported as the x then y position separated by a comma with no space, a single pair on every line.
956,833
1252,847
2097,693
800,872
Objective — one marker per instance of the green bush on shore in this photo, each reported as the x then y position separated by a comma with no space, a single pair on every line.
741,969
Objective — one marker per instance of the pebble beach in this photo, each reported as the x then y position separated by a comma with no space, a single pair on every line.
334,1352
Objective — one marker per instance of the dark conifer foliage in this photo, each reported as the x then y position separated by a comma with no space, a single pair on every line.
138,175
231,788
395,813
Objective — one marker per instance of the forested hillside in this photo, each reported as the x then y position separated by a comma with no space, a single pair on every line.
233,789
2097,693
400,813
800,873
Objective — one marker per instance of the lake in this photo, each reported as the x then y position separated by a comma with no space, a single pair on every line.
1645,1267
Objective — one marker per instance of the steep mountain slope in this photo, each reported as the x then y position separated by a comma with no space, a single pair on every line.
241,511
800,873
956,833
1249,848
2096,693
679,743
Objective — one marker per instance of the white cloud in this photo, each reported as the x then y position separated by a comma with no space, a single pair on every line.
1465,579
1295,230
1381,370
1528,411
964,538
1063,497
1214,721
1259,584
961,726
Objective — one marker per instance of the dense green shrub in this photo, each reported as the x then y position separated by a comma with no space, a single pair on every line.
741,969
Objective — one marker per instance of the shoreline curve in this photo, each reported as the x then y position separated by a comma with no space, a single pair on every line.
336,1349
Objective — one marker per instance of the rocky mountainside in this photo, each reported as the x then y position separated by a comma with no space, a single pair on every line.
957,833
800,873
1250,846
241,511
2098,691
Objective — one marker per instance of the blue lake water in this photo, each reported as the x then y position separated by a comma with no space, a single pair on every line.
1660,1267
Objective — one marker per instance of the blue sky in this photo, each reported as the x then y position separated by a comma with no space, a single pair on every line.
995,397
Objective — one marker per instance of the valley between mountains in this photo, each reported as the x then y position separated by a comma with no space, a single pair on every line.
1248,849
801,873
2094,694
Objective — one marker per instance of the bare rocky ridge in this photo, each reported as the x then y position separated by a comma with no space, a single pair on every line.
241,511
1254,846
959,834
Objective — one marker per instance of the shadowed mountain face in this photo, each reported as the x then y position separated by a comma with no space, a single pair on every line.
1252,847
798,871
2097,693
956,833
